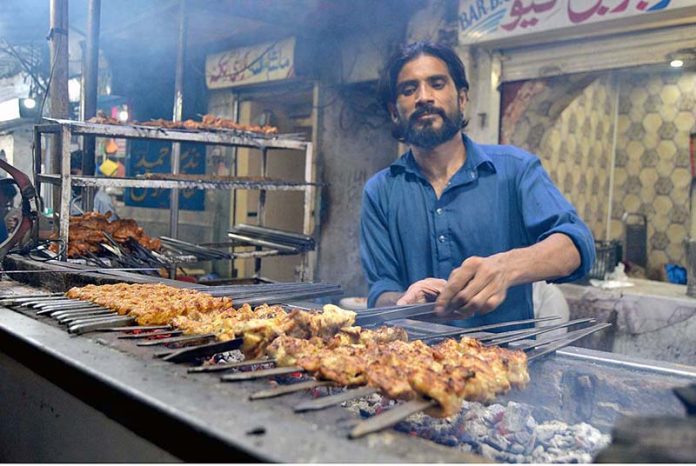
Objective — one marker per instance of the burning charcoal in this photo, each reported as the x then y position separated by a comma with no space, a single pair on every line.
517,449
488,451
516,417
498,442
547,430
494,414
449,440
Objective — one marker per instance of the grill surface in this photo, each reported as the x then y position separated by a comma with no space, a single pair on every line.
197,418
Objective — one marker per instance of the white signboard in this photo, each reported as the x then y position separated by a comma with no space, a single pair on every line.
484,20
261,63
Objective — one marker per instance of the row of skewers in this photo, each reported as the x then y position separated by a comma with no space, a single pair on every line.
325,344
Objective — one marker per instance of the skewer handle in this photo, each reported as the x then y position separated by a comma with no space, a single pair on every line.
391,417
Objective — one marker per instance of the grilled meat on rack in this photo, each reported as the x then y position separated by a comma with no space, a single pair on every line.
448,373
150,304
86,233
327,345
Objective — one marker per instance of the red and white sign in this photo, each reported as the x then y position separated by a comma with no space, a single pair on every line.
485,20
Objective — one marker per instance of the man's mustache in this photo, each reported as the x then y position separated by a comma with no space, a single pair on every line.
427,110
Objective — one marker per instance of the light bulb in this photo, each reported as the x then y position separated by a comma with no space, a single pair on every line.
677,63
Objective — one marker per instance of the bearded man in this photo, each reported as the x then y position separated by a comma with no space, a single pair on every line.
470,226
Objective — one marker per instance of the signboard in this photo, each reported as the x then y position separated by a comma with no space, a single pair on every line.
484,20
155,157
261,63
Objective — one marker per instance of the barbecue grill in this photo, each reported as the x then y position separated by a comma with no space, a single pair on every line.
195,417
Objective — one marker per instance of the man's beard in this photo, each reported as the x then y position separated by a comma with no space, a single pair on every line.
423,134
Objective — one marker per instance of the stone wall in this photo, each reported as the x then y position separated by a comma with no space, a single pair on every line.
657,111
567,122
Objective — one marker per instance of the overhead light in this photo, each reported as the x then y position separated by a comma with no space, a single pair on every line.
74,90
16,108
123,115
676,63
29,103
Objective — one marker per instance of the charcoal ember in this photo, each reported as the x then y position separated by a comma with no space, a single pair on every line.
516,417
488,451
517,449
494,414
229,357
499,442
547,430
589,438
449,440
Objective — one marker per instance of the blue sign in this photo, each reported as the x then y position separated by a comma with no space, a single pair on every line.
155,157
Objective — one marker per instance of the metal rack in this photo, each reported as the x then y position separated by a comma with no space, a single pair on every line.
64,129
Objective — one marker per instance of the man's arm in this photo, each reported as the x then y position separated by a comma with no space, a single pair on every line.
376,251
480,284
561,248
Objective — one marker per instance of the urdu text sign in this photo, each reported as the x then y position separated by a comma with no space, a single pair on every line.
246,65
484,20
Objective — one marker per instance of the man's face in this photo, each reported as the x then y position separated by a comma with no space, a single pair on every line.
428,109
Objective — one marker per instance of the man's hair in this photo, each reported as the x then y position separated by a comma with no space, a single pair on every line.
386,89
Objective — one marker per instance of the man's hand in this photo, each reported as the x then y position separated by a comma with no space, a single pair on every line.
479,285
422,291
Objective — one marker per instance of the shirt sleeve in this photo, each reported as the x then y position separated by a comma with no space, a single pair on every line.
546,211
376,251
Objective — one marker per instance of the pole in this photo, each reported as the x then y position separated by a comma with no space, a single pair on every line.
88,107
58,91
177,116
90,93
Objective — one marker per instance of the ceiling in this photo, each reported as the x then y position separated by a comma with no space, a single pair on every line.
155,22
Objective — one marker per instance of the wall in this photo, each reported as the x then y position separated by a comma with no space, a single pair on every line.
17,144
657,111
354,142
567,122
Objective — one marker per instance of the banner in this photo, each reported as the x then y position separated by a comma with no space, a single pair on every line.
484,20
155,157
261,63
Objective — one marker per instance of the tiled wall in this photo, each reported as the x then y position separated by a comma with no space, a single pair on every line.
657,111
567,121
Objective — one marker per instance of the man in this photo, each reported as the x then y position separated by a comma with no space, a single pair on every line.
467,225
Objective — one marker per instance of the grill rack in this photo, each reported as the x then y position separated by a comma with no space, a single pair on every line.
51,306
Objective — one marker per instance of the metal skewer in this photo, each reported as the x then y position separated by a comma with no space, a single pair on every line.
538,331
201,351
155,333
332,400
109,323
231,365
391,417
287,389
252,375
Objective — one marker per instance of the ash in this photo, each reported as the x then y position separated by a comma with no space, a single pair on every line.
502,433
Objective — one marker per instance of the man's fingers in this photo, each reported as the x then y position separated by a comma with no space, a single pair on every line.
457,281
476,286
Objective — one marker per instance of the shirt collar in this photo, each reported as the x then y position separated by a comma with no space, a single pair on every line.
476,158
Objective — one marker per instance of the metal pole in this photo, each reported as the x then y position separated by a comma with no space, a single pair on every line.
261,209
88,107
177,116
90,93
58,91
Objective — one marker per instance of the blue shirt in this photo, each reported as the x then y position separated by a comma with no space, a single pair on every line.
500,199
